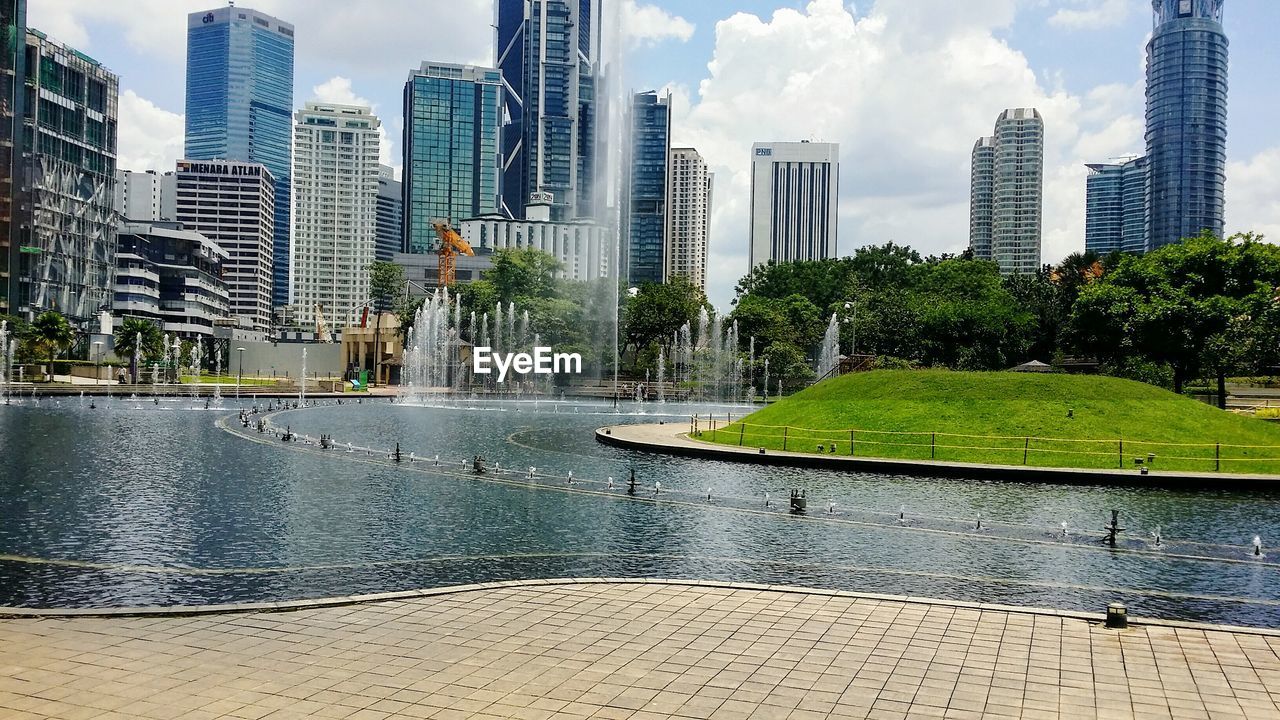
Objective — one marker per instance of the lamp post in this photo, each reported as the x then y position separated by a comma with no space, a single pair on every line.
240,373
97,363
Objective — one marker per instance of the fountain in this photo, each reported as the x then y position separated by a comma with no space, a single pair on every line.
707,361
217,378
829,357
6,360
302,380
1257,546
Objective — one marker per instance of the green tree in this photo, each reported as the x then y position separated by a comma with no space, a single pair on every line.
788,366
524,273
50,335
658,310
386,290
138,333
20,335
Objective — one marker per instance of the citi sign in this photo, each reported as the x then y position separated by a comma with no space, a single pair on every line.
542,362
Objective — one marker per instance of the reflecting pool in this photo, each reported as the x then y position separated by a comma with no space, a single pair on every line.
142,502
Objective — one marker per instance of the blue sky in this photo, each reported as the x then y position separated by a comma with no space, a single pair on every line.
904,85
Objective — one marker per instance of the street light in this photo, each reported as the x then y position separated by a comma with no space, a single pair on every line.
239,374
97,367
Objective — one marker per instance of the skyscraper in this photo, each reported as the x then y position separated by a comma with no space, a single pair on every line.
1116,207
794,196
13,33
645,196
67,219
549,55
1186,119
689,186
1006,196
335,197
240,104
452,132
233,204
390,235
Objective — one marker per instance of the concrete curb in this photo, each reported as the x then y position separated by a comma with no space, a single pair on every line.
12,613
669,440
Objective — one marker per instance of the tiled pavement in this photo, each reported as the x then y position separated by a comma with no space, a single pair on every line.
638,651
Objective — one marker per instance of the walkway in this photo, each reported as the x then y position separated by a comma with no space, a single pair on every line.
673,439
643,651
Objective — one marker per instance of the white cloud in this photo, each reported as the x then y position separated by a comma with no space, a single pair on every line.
905,112
1093,14
650,25
150,138
1253,195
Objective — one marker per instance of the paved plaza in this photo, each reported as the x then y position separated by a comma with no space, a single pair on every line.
643,651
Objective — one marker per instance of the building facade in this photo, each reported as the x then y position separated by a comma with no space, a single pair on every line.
390,230
794,198
239,104
549,53
1116,207
233,205
645,195
66,229
689,193
452,134
335,213
1186,119
145,195
982,184
1007,193
580,246
13,33
170,276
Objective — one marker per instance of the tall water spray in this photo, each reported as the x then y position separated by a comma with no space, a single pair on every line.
829,357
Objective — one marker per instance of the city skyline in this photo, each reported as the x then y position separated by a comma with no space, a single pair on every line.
1093,105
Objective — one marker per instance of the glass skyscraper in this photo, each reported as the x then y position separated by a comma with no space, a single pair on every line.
1186,119
452,131
240,105
645,213
1116,207
549,55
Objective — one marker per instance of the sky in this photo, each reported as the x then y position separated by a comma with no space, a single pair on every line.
905,87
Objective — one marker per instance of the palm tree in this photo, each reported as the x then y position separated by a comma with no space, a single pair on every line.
51,335
143,335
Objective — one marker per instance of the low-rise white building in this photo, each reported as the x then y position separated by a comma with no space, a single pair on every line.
171,276
583,248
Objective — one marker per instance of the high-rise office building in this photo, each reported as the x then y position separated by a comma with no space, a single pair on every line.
1186,119
645,190
13,33
452,132
335,219
67,218
1116,207
390,231
240,104
1007,193
233,204
794,198
145,195
549,52
689,186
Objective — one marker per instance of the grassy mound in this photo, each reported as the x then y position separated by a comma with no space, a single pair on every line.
1010,419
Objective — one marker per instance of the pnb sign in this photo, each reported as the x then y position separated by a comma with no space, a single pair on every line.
541,197
764,152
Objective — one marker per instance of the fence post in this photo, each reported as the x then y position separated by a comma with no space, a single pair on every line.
1026,448
933,446
785,428
1217,457
742,429
1121,453
852,439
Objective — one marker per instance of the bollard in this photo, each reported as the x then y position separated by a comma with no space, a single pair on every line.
1117,616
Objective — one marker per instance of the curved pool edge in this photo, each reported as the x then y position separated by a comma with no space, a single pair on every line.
17,613
670,439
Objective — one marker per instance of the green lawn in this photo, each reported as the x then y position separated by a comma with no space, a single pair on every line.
1008,418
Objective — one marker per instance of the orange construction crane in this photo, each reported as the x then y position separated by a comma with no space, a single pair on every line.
451,244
